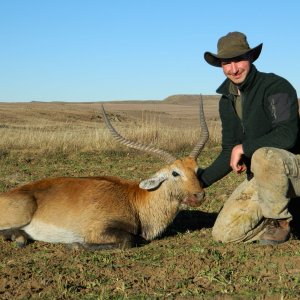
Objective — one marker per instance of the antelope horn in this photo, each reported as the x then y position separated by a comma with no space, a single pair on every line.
146,148
204,132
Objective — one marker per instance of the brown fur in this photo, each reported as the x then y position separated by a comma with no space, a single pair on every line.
97,212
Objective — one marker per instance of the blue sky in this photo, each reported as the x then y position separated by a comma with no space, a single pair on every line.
88,50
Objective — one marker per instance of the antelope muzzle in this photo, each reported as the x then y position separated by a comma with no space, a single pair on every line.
194,200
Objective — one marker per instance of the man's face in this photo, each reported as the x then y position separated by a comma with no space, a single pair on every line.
236,70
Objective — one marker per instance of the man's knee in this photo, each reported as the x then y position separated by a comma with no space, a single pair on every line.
223,236
238,222
239,229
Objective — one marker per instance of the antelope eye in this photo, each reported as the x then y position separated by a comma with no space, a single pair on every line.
175,174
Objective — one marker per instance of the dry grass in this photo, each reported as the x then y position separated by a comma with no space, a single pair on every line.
184,264
79,127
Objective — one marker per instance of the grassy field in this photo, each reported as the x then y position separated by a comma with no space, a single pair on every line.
56,139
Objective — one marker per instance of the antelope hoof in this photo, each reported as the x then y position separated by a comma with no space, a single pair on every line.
20,240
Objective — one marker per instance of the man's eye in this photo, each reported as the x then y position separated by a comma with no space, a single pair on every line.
223,63
175,174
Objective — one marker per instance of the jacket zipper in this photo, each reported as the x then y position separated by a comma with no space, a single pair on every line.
242,105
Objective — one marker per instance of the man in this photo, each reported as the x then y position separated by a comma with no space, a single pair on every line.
260,135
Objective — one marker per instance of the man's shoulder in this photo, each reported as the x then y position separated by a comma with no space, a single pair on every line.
270,76
275,81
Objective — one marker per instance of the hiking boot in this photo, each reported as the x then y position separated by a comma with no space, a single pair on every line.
277,232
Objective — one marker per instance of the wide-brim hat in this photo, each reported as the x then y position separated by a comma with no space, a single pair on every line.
232,46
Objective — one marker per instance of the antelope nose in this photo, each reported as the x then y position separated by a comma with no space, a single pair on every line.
194,200
200,196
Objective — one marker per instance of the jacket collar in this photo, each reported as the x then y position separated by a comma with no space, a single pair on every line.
225,88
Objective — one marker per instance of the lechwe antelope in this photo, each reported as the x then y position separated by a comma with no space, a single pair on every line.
103,212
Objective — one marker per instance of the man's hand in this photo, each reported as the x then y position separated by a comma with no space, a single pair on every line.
236,155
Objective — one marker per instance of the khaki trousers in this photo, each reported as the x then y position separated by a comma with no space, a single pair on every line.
276,180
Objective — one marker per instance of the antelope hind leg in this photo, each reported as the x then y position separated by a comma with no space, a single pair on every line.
16,210
18,236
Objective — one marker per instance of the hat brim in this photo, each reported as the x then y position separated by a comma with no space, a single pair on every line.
215,60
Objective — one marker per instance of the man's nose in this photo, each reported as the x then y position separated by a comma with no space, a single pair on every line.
233,67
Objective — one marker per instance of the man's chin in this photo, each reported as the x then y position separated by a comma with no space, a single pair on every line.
237,81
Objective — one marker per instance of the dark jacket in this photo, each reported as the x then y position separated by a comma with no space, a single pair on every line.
270,119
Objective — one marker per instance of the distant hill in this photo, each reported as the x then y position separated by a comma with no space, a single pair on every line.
189,99
185,99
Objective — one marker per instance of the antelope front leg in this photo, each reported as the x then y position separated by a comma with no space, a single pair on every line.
111,238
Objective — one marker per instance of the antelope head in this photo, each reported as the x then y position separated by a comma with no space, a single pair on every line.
178,179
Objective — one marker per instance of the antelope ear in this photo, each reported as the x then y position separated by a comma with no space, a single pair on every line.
152,183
